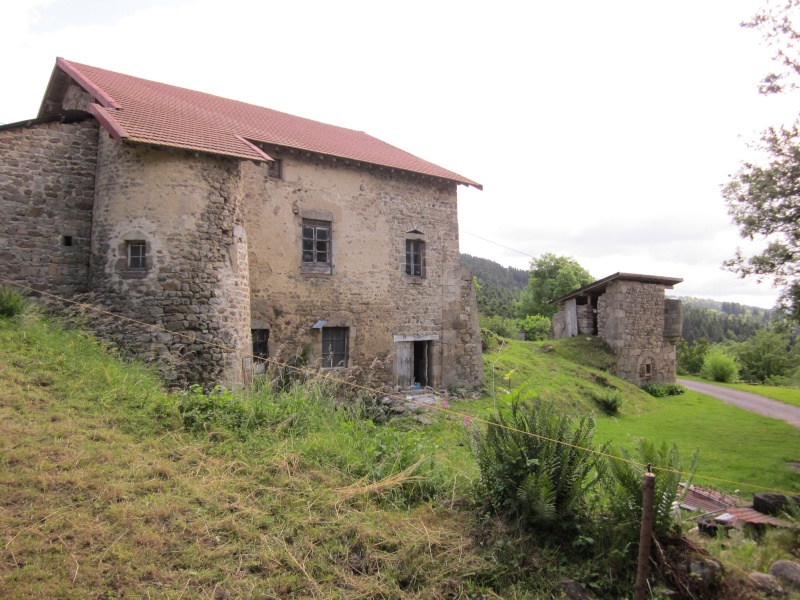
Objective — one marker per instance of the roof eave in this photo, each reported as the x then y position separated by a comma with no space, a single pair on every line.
667,282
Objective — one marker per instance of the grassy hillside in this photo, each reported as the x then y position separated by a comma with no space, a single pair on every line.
751,452
114,488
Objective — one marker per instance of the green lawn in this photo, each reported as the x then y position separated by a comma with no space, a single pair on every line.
751,452
734,444
782,394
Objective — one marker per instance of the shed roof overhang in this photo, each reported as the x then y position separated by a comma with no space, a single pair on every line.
599,286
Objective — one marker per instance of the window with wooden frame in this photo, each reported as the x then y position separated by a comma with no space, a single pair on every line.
334,347
316,251
136,255
415,258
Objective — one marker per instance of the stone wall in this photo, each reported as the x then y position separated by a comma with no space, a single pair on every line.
47,177
372,213
585,315
631,321
187,208
223,241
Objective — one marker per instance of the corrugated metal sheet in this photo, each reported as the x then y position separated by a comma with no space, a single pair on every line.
705,499
724,507
751,515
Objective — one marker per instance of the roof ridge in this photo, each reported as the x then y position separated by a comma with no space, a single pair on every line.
225,98
147,111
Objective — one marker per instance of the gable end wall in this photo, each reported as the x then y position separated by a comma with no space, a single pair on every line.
47,178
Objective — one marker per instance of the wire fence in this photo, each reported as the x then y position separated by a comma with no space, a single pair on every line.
315,373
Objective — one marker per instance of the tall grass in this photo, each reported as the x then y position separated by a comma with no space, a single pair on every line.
11,302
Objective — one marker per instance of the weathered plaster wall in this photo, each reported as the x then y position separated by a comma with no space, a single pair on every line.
188,208
224,241
631,320
371,212
47,175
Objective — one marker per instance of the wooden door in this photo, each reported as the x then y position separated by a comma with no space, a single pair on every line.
405,364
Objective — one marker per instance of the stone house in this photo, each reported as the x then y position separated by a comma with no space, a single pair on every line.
631,313
240,232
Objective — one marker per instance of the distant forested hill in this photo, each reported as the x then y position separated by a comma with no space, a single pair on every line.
717,321
501,286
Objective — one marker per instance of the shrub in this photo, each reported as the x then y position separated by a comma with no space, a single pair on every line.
488,340
503,327
11,302
536,327
720,366
661,390
534,463
608,400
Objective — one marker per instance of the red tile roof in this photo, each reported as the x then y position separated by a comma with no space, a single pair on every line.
145,111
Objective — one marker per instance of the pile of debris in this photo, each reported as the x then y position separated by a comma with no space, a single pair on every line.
724,511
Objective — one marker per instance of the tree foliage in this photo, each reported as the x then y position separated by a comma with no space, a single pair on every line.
764,199
716,326
498,287
551,277
766,356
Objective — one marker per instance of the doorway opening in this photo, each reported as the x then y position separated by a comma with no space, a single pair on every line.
416,360
421,352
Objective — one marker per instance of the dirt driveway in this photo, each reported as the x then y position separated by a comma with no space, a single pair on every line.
747,401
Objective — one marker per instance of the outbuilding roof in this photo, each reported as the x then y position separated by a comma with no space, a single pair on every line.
139,110
600,285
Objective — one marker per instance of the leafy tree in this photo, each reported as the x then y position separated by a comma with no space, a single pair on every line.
764,199
551,277
766,355
691,356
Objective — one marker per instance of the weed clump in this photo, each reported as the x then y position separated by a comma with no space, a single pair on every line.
608,399
11,302
661,390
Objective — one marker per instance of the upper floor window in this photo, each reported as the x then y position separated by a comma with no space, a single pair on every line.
275,169
136,251
334,347
415,258
316,242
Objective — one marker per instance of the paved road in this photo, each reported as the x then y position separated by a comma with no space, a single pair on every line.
752,402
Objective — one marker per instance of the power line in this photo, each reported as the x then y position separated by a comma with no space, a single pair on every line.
497,243
466,418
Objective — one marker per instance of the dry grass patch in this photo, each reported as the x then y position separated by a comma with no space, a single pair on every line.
100,502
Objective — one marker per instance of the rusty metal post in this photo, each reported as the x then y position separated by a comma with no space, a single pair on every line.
645,536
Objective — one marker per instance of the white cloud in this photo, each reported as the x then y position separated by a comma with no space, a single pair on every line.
600,130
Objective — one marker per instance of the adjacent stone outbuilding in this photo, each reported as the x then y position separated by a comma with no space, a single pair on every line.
631,313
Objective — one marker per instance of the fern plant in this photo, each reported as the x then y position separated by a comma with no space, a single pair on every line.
624,483
536,463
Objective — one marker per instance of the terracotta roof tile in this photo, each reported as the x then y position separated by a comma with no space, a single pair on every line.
157,113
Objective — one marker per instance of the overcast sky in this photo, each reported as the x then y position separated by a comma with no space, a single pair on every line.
600,130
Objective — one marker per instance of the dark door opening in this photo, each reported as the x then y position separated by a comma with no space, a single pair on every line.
421,363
